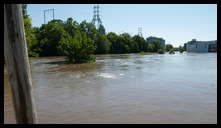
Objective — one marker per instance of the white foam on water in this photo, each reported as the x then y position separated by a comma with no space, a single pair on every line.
107,75
148,60
127,63
132,77
75,76
87,81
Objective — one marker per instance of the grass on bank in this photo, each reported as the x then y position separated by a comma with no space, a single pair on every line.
147,53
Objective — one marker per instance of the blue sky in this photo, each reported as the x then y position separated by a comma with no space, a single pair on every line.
176,23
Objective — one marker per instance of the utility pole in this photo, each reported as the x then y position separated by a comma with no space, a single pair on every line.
48,10
17,63
140,31
96,18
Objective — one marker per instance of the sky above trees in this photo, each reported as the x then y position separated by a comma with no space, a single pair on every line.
177,24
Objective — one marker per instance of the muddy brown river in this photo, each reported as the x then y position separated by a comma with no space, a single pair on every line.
179,88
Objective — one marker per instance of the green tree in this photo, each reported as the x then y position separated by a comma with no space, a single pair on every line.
169,47
102,44
49,37
181,49
113,38
71,26
150,47
34,49
155,46
124,43
29,32
77,48
161,51
89,29
24,11
140,44
101,29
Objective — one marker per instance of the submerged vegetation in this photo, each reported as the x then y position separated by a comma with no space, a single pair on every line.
161,51
181,49
80,41
169,47
171,51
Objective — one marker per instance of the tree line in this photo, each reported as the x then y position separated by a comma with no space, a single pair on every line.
80,41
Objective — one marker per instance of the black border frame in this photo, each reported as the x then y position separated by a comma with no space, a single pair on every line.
218,2
111,1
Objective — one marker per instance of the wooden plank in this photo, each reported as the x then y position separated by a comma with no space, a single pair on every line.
17,63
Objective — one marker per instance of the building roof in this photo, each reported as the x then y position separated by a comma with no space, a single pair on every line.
194,42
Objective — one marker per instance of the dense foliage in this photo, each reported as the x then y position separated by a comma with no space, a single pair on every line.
181,49
79,41
78,47
161,51
169,47
29,32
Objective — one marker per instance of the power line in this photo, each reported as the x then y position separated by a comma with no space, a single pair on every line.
48,10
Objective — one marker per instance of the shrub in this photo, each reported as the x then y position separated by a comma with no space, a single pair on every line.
161,51
77,48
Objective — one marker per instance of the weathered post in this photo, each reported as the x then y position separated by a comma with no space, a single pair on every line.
16,57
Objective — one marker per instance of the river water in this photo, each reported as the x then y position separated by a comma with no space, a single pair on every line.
130,88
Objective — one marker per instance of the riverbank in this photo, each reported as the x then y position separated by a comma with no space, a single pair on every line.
148,53
31,59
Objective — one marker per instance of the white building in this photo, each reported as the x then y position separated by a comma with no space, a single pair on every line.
201,46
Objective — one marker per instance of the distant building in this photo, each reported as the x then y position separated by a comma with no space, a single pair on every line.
201,46
185,46
162,41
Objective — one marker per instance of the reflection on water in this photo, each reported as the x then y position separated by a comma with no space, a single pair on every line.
131,88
